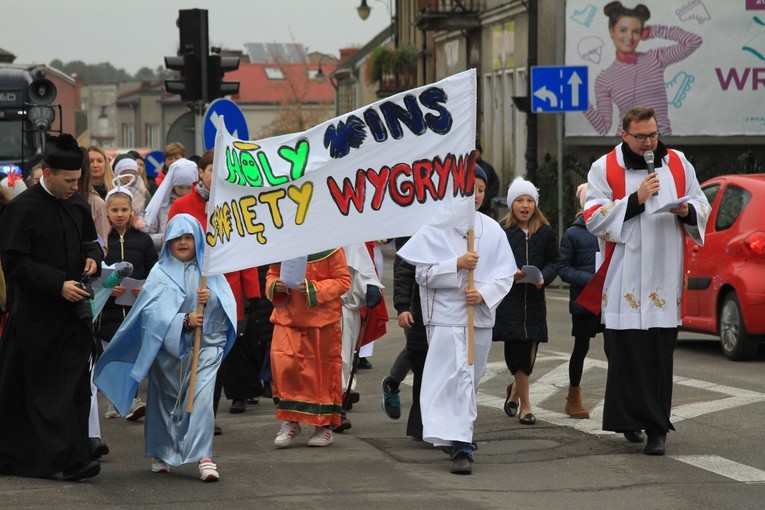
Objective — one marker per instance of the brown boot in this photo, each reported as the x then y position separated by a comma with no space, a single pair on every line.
574,405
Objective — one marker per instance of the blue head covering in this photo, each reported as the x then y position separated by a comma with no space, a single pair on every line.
177,226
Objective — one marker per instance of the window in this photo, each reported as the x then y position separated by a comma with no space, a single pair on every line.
151,135
128,135
733,201
274,73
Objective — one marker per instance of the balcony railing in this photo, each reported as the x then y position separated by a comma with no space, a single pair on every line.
393,82
448,14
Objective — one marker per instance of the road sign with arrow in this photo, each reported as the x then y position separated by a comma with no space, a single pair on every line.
556,89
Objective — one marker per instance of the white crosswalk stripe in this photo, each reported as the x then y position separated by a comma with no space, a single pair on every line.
556,380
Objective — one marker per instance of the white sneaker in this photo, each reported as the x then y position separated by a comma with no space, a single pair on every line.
322,436
208,472
159,466
111,412
289,430
137,410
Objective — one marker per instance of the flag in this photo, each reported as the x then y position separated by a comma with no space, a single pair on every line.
381,171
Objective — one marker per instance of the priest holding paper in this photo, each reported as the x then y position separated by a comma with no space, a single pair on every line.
639,286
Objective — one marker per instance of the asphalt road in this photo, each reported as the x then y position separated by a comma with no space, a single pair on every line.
715,459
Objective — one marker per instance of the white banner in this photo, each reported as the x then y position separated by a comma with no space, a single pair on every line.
700,64
381,171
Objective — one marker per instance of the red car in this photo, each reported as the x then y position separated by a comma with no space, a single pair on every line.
725,278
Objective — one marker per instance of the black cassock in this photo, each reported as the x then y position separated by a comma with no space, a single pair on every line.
639,380
44,352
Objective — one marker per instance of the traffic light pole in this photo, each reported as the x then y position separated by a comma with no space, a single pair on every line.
199,119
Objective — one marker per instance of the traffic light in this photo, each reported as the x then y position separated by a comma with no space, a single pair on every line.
189,87
218,66
191,61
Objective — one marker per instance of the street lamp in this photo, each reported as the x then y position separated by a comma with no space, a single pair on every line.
320,77
363,10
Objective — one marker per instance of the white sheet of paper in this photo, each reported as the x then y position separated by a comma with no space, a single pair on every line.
105,272
293,271
598,259
669,205
127,298
533,275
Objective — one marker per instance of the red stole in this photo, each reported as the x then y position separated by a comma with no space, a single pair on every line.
377,317
591,296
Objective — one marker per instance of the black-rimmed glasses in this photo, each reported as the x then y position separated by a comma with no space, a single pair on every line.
643,138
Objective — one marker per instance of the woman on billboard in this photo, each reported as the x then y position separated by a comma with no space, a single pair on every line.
637,78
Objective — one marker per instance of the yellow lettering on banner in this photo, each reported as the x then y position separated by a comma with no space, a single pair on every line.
238,218
220,221
271,198
249,215
302,197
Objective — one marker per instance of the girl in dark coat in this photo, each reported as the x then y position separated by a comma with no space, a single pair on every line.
576,266
522,316
125,243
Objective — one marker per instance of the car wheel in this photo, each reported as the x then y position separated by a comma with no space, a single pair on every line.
736,343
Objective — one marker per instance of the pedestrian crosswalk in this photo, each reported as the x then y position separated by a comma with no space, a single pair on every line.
550,382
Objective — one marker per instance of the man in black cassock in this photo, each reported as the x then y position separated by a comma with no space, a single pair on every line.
48,242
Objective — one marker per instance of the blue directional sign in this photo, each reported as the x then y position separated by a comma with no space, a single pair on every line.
233,117
558,89
154,161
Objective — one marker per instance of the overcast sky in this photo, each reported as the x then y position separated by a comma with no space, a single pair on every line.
135,33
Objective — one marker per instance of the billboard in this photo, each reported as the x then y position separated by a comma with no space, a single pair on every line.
699,63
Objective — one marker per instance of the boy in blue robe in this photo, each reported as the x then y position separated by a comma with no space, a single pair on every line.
156,339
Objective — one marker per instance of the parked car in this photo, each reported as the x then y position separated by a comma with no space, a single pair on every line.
725,278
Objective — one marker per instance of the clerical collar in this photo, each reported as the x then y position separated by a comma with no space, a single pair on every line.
42,183
637,162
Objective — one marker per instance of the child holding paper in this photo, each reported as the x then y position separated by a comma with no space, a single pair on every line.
156,339
306,347
522,315
125,244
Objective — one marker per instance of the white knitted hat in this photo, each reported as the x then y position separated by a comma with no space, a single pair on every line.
125,164
519,187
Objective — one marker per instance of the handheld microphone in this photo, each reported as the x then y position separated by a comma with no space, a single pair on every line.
117,276
648,155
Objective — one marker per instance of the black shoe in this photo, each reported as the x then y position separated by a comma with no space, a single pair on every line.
253,400
98,448
345,424
655,445
462,464
511,408
81,471
353,398
634,436
217,430
237,406
528,419
364,364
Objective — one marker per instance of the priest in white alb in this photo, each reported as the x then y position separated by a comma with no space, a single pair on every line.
641,218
